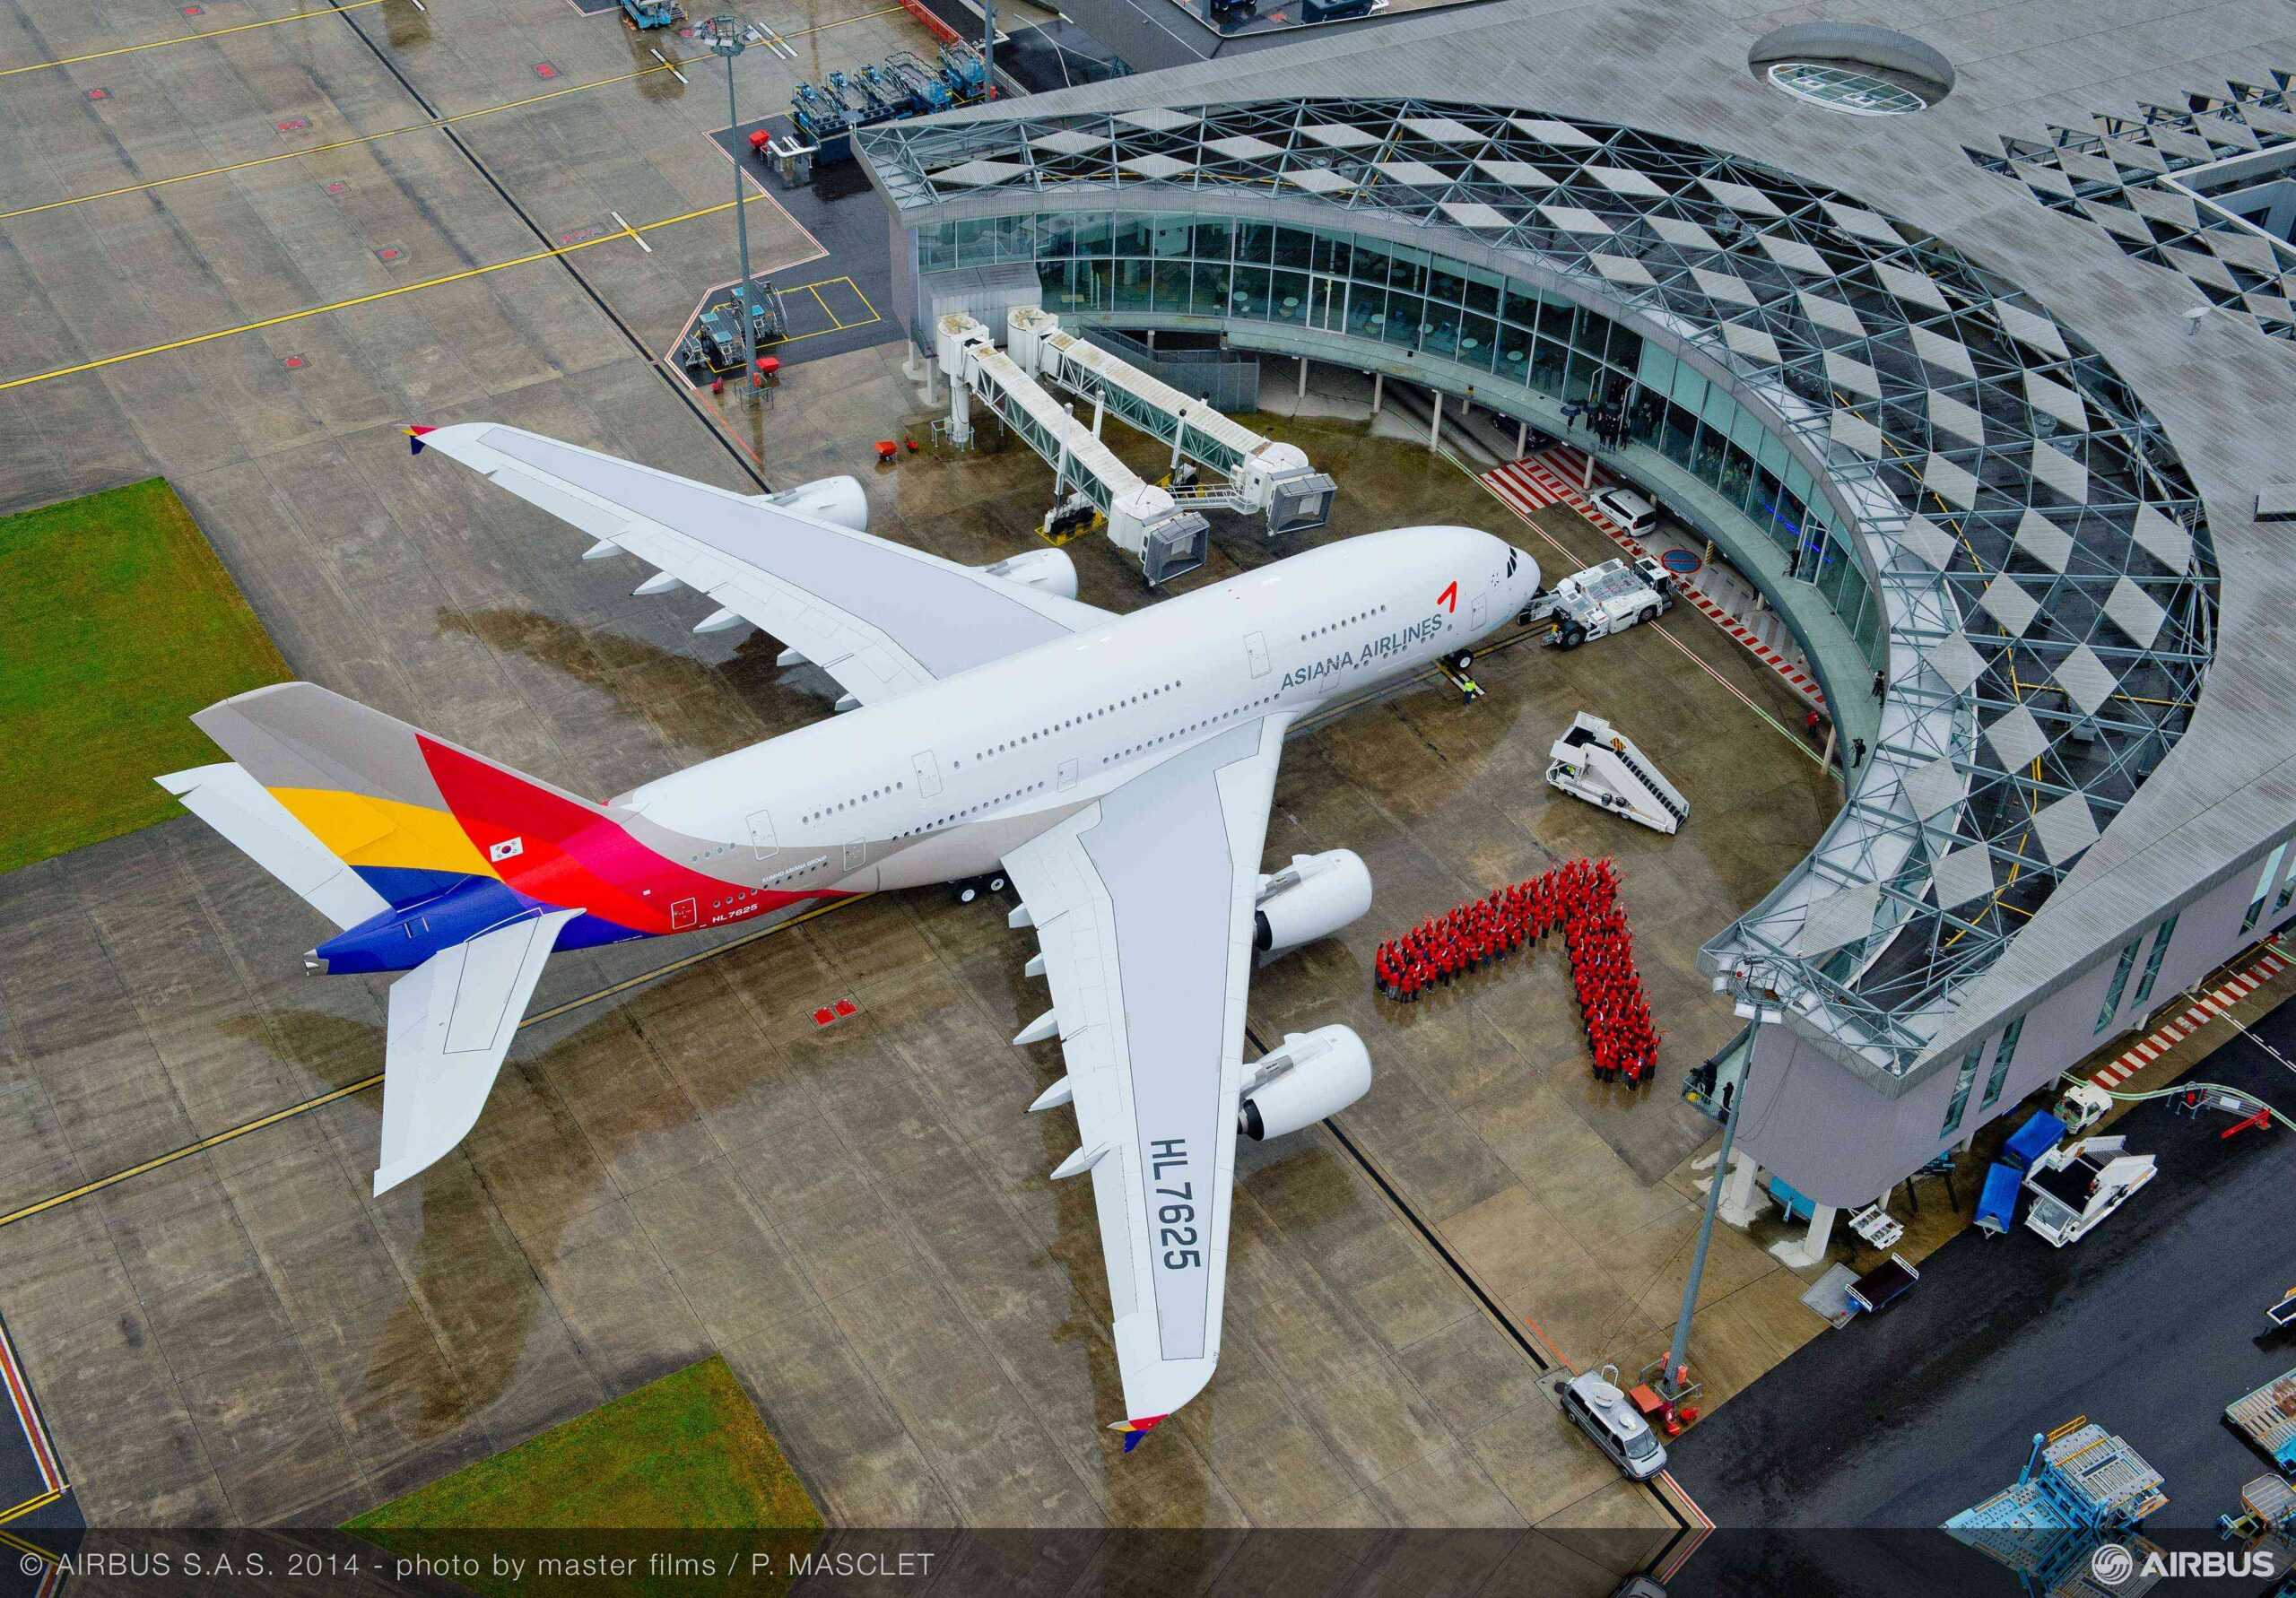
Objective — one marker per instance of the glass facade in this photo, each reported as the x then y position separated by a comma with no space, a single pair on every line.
1346,284
2119,983
2004,1052
2264,890
2153,960
1962,1080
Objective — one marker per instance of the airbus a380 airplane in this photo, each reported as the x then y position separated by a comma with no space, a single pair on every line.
1118,767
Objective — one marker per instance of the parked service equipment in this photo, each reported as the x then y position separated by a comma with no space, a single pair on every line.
2084,1104
1259,476
1877,1227
1596,762
1996,1201
2282,1315
1144,521
1602,599
2079,1477
1601,1410
653,14
1884,1285
2076,1185
2266,1417
714,344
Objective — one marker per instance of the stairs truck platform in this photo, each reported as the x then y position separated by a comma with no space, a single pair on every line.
1144,521
2081,1487
1596,762
1261,477
2267,1418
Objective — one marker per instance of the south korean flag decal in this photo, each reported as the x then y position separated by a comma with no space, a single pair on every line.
510,848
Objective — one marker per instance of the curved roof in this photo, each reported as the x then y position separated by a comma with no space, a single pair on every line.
2047,571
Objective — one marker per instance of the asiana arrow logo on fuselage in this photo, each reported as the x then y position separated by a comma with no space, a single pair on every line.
1371,652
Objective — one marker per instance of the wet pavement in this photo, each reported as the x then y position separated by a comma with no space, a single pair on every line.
859,1216
2149,1326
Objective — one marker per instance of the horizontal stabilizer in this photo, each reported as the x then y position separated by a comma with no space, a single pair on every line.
225,797
452,1019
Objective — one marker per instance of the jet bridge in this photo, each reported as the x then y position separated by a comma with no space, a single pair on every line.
1167,537
1261,477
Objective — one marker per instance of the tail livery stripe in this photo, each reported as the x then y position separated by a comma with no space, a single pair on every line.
1134,1429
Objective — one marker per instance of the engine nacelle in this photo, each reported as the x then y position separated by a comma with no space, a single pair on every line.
1312,897
841,500
1048,571
1314,1074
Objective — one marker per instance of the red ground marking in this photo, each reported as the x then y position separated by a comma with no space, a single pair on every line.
98,94
195,11
293,363
389,252
294,125
336,188
543,69
836,1010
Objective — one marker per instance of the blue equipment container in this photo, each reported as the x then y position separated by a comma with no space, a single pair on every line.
1996,1205
2034,1139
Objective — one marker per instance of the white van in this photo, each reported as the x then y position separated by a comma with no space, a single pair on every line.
1636,516
1603,1413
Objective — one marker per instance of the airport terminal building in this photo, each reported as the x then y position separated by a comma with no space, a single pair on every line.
1970,349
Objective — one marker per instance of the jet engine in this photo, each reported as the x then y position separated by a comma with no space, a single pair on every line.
1314,1074
1312,897
841,501
1049,570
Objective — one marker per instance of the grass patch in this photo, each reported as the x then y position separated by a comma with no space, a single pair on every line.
686,1451
117,621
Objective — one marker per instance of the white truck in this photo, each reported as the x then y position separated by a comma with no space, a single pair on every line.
1602,599
2076,1185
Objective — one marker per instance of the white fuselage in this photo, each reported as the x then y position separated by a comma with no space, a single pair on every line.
939,784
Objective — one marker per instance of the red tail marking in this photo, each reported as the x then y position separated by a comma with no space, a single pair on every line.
1450,598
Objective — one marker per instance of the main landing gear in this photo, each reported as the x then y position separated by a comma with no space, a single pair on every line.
972,887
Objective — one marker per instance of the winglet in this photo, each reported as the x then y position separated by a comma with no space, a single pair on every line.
414,439
1134,1429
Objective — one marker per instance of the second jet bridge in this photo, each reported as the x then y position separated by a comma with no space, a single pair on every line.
1261,476
1167,537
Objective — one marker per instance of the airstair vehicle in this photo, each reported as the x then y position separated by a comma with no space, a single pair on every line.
1596,762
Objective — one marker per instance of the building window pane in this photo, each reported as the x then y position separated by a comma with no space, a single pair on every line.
1250,296
2119,982
2264,888
2004,1052
1214,238
1961,1099
1255,241
1210,295
2287,886
2153,960
1171,286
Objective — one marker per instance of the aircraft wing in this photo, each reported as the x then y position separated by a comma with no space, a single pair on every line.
452,1019
1142,902
881,617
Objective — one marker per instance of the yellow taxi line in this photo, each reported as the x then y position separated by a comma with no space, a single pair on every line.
161,43
359,299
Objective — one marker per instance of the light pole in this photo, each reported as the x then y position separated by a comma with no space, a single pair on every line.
1670,1386
725,42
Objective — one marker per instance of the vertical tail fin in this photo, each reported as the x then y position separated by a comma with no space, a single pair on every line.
410,814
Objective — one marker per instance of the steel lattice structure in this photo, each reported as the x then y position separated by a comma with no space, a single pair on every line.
2129,178
2047,575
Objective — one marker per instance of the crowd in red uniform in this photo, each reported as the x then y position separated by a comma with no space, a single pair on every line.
1580,901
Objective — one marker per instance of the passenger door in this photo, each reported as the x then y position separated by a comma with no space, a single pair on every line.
1256,651
762,842
928,774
